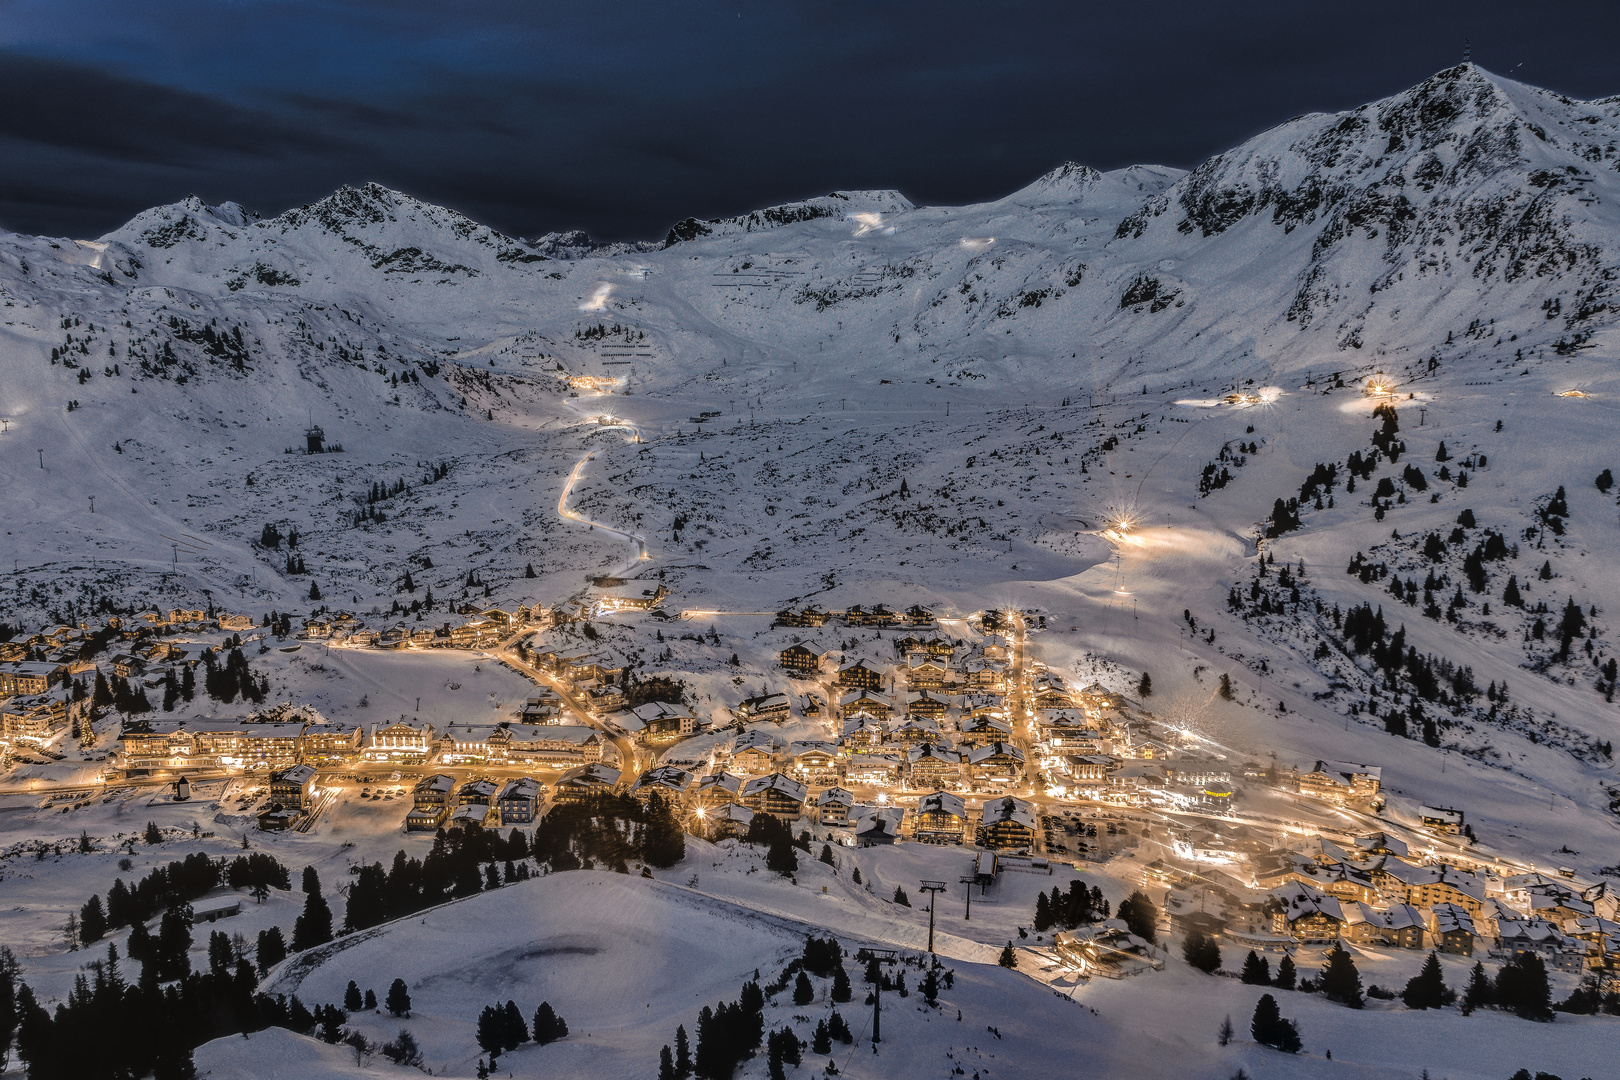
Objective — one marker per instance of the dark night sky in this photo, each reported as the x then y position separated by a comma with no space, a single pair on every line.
621,117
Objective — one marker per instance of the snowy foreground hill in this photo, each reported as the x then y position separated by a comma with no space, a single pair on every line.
855,400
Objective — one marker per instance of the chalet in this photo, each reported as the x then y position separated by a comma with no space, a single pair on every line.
912,729
277,819
776,794
865,701
985,676
470,816
1090,770
996,764
1341,781
249,745
810,616
590,670
662,722
326,740
128,666
717,789
878,826
519,801
667,780
860,676
753,752
560,744
576,785
833,806
474,634
924,703
545,708
647,601
930,765
862,733
874,770
977,705
1451,929
400,744
801,658
473,743
1425,886
30,677
727,819
1062,728
774,707
813,762
979,730
1402,926
606,698
431,802
1006,823
294,787
940,819
234,623
481,792
1441,819
926,673
1306,914
34,719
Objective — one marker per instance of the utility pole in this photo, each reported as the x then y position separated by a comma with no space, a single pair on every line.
933,889
92,504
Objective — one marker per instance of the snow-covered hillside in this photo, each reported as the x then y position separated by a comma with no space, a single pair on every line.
852,399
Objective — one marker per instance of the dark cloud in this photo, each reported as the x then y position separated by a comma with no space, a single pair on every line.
622,116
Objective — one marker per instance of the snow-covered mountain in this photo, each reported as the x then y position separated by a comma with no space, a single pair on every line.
1029,367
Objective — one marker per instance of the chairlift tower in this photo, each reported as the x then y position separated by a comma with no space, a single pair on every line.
933,889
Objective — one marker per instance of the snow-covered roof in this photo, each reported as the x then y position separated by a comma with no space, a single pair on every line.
521,788
1010,809
784,785
942,802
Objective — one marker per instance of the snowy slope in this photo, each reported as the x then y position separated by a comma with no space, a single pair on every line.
1031,368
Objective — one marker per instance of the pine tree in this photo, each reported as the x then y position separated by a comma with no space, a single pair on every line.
489,1030
1426,989
663,840
1226,686
1256,970
930,985
666,1064
1479,992
803,992
1286,975
1340,981
827,855
1223,1035
1144,688
549,1027
272,949
1270,1029
398,1001
1008,958
371,999
683,1053
841,990
900,897
92,921
1140,916
1201,951
314,926
1043,913
514,1032
352,1001
821,1041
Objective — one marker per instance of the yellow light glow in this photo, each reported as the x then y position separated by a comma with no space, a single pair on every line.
1573,393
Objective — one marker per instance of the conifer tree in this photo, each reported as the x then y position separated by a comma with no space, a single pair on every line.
1426,989
314,926
1480,991
1256,970
683,1053
398,1001
1286,975
841,990
1340,981
549,1027
900,897
666,1064
1008,957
